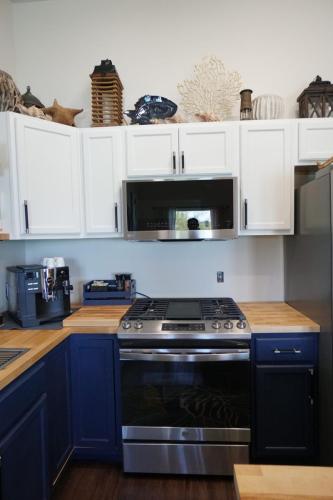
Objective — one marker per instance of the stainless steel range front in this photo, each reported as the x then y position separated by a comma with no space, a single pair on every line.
185,382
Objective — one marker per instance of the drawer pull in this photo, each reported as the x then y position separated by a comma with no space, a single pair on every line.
276,350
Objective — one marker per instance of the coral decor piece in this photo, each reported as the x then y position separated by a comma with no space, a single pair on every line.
9,94
62,115
212,92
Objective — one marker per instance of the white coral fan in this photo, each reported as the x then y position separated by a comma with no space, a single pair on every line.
213,90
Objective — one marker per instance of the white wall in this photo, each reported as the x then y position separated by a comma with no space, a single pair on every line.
253,267
11,254
277,46
7,54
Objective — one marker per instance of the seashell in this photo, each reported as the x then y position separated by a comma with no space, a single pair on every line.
267,107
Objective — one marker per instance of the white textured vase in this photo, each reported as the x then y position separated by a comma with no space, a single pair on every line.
267,107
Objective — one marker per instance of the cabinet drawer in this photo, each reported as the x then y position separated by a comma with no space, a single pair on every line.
290,348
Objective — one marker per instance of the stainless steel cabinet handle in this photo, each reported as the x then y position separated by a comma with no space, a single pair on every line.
276,350
183,162
174,162
116,217
26,216
245,213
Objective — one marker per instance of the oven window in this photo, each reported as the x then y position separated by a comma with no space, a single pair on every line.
201,394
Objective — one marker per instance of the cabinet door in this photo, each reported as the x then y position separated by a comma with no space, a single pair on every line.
209,148
95,422
49,181
24,464
267,163
152,150
315,139
59,408
284,411
103,172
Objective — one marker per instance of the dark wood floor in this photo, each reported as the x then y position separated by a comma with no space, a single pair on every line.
94,481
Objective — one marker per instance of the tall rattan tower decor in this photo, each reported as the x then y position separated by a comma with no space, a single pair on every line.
106,95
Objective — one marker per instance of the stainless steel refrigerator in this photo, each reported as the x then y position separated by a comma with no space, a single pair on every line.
309,285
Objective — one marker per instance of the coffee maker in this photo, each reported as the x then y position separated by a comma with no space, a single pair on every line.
37,294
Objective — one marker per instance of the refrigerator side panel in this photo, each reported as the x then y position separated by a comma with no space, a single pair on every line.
308,288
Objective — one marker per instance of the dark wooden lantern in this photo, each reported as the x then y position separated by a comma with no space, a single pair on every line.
106,95
316,101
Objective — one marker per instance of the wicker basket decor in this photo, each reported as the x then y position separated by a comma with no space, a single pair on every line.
106,95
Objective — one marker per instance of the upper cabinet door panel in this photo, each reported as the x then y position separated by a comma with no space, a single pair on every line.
267,175
152,150
209,148
48,176
103,169
315,139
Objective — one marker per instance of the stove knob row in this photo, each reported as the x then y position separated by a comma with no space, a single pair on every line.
228,324
138,325
126,325
241,324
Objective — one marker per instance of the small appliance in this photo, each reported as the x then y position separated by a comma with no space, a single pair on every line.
37,294
120,291
180,209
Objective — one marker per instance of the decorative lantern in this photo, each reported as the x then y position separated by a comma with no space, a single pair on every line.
246,105
106,95
317,100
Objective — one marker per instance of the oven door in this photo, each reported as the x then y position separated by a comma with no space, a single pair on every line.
198,400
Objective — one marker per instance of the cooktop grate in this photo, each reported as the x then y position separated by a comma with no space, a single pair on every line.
7,356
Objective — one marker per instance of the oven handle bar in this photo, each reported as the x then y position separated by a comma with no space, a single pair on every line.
144,355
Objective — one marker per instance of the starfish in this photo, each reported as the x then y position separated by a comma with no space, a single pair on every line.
62,115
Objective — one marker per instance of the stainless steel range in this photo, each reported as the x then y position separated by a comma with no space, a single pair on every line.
185,381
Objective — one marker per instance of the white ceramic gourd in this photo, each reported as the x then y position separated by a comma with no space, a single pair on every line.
267,107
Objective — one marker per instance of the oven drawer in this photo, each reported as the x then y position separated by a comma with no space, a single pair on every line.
176,458
289,348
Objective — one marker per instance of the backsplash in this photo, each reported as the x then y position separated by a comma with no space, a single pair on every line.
11,253
252,266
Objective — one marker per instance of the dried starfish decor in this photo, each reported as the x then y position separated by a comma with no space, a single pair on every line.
213,90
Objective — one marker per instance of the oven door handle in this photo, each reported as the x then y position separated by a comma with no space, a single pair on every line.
243,355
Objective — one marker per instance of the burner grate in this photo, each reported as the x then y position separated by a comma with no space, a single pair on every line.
152,309
223,308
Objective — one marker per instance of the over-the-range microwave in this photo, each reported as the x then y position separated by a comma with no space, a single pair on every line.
180,209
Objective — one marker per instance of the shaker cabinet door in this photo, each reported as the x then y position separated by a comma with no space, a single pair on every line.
152,150
315,139
103,161
209,148
267,158
49,180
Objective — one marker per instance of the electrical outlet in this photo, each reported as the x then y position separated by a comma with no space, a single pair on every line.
220,276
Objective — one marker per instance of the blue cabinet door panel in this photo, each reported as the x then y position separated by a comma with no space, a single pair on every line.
93,396
286,348
59,407
284,407
24,460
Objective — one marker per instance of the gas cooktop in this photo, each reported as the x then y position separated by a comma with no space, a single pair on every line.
181,318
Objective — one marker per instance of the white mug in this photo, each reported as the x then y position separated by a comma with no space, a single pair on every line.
59,261
48,262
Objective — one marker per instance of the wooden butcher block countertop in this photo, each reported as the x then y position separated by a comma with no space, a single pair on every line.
281,482
39,343
102,319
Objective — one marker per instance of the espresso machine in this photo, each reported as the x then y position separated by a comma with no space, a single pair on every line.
37,294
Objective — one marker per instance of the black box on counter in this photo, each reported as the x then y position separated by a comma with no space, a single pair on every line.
108,292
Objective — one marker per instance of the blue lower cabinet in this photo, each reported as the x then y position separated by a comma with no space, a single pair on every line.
59,407
23,438
96,423
285,396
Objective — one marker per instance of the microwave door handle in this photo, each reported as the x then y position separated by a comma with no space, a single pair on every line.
245,213
185,358
174,170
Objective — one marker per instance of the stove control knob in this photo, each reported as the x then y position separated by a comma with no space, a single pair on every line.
138,325
216,324
228,324
126,325
241,324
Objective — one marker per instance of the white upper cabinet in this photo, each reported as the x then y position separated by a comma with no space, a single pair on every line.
151,150
48,175
185,149
267,158
208,148
315,139
103,163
